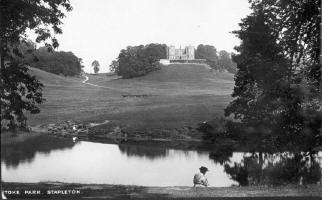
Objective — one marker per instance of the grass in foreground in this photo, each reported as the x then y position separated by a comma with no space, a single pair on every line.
96,191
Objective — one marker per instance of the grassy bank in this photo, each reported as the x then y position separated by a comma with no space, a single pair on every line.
102,191
166,104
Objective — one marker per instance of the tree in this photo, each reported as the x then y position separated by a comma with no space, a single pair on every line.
220,61
209,53
21,92
139,60
225,62
95,65
275,99
57,62
114,66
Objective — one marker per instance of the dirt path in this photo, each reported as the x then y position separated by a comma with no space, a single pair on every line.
105,87
91,84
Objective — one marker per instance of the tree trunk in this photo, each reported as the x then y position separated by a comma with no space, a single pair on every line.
261,162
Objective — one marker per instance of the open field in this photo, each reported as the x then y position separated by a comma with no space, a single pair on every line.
177,97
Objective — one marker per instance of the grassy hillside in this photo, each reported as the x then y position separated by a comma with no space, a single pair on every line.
173,99
52,79
175,79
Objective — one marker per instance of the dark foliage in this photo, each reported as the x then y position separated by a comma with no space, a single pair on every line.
21,92
219,61
114,66
38,15
139,60
276,90
209,53
56,62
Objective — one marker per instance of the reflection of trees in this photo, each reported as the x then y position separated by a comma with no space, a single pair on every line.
25,151
221,154
275,169
143,151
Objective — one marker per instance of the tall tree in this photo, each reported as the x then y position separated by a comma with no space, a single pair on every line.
209,53
20,91
273,94
96,65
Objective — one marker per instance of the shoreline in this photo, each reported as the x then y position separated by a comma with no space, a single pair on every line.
144,192
180,144
19,136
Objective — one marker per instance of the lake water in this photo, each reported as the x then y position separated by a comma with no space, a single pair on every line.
45,158
57,159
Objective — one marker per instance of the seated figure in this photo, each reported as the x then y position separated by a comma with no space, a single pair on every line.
199,178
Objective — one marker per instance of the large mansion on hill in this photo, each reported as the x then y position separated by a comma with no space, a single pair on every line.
188,53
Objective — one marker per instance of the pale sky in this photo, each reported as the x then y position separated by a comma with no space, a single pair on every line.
99,29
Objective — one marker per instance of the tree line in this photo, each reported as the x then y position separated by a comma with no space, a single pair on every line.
49,60
139,60
221,60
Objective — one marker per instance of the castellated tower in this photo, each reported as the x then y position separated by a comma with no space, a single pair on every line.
188,53
171,52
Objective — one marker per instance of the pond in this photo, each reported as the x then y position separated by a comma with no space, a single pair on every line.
60,159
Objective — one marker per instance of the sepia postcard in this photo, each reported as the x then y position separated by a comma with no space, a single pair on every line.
161,99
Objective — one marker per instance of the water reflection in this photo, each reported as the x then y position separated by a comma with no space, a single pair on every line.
143,151
89,162
221,154
46,158
270,169
24,152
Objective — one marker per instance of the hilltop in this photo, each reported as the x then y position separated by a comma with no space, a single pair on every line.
184,79
166,103
187,73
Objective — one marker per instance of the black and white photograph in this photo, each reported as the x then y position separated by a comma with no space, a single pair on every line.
161,99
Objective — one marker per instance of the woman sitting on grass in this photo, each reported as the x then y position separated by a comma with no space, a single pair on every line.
199,178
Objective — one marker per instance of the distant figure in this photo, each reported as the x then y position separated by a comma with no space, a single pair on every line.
199,179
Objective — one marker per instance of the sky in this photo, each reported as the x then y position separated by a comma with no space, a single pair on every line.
99,29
